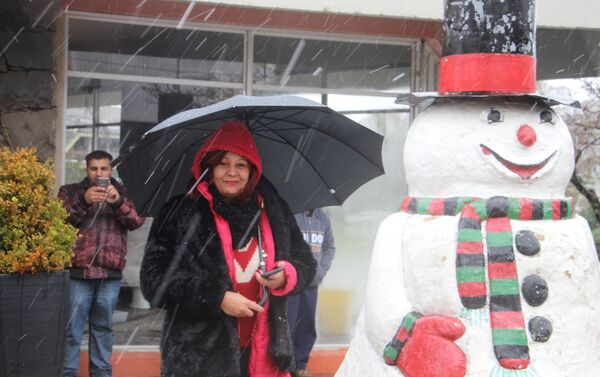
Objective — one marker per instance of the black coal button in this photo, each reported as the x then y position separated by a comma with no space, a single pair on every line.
527,243
540,329
535,290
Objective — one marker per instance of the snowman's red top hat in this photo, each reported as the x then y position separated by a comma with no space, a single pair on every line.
488,50
488,47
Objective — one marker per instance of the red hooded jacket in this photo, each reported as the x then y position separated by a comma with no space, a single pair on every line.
232,137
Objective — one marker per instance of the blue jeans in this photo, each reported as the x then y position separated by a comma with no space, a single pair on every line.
302,309
95,299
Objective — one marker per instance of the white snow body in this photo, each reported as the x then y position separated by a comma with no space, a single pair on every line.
413,261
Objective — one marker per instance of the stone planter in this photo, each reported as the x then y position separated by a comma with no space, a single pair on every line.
33,319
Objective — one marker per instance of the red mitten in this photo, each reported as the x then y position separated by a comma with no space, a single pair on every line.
427,347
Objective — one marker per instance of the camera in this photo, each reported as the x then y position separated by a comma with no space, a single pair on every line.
102,181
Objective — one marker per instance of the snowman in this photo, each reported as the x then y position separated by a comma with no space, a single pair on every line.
486,271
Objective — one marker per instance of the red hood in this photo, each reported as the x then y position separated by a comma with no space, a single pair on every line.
233,137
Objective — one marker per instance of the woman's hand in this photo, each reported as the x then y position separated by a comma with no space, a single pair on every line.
275,281
236,305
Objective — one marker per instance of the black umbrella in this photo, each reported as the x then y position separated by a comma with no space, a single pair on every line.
313,155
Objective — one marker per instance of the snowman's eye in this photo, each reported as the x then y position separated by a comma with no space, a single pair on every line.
494,116
547,116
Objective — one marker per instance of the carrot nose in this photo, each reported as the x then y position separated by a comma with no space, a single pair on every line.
526,135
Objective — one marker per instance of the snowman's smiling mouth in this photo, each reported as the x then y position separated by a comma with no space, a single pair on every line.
523,171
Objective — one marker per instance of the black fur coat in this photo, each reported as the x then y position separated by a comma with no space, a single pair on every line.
184,271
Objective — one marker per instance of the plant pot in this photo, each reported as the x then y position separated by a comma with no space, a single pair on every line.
33,320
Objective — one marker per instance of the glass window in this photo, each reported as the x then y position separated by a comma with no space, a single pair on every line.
129,49
356,222
295,62
92,119
112,115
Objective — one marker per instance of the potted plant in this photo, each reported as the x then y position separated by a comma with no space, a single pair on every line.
36,244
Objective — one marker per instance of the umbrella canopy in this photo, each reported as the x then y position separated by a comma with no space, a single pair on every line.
313,155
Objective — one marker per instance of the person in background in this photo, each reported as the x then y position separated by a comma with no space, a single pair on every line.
202,259
316,229
100,208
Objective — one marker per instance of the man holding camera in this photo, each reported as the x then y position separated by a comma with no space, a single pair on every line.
100,208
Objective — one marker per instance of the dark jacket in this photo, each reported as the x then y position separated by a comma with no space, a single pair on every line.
184,270
101,248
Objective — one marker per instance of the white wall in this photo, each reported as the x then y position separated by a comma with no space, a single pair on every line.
551,13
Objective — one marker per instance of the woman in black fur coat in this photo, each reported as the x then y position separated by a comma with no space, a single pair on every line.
201,263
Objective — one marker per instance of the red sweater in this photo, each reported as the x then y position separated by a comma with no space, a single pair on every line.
246,263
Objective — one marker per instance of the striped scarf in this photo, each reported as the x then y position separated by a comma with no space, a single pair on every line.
506,316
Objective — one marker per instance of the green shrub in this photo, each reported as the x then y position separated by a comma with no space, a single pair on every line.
596,234
34,234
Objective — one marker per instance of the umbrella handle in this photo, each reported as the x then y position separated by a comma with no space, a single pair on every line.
265,296
263,268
